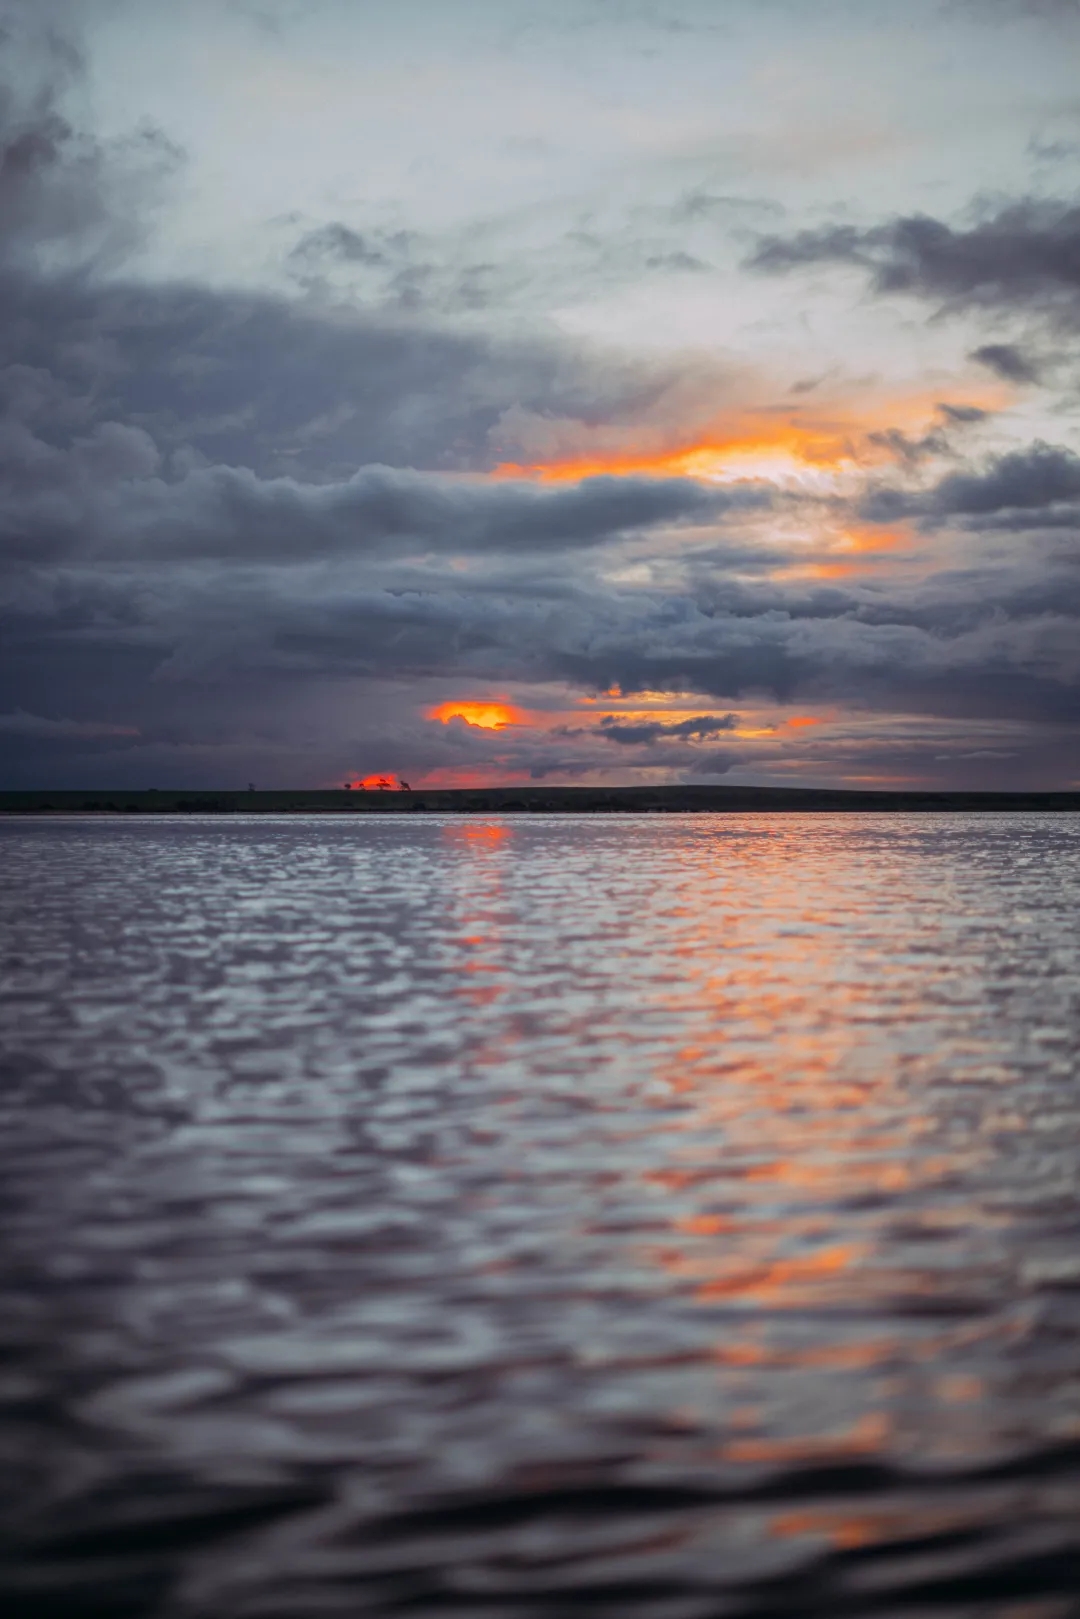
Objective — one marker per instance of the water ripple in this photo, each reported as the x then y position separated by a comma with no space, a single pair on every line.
642,1217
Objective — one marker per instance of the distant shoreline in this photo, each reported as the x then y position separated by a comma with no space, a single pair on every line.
533,799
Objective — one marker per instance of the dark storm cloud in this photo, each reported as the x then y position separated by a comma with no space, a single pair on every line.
88,503
183,652
1024,257
174,421
293,387
166,449
215,505
939,653
33,725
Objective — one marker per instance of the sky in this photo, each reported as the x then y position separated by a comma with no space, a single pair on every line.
581,391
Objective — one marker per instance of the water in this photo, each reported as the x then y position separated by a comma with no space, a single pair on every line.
642,1218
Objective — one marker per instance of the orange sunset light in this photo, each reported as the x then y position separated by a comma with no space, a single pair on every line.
775,455
809,446
488,716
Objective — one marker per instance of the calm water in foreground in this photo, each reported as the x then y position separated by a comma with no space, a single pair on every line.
637,1218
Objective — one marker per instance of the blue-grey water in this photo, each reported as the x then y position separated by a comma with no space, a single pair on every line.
640,1218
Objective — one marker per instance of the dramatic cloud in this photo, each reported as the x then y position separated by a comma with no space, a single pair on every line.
92,502
391,457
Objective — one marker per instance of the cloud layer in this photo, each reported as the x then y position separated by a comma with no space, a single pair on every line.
263,531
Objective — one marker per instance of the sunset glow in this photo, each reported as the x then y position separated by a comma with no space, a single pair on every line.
486,716
540,738
822,449
738,374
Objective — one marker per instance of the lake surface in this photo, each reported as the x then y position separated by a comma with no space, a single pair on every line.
641,1218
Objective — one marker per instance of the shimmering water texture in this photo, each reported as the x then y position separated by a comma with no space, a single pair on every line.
637,1218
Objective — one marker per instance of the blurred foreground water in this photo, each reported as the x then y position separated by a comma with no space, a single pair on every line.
646,1218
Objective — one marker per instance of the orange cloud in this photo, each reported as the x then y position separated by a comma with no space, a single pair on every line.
488,716
748,451
771,442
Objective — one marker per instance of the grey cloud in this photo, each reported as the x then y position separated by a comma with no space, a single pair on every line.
1026,479
699,203
66,198
310,386
439,275
1008,361
146,647
1054,151
1011,10
337,241
198,569
1035,482
295,387
700,727
908,450
675,261
962,415
1026,668
100,500
1026,256
19,724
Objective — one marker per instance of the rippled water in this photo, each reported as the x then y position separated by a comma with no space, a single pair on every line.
646,1218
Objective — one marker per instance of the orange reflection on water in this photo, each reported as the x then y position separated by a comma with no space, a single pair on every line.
864,1436
774,1155
793,1123
738,1272
488,835
481,931
847,1530
866,1354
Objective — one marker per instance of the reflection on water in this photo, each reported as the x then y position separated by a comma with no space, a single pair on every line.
667,1216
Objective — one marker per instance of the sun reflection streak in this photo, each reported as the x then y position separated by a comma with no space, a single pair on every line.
785,1113
768,1128
479,929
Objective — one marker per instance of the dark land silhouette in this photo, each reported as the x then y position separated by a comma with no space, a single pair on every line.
536,799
